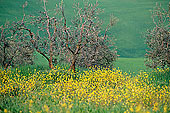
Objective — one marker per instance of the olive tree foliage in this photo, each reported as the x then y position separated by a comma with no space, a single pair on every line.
14,49
158,39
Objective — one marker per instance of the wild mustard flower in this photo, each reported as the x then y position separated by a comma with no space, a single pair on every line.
165,108
155,108
38,112
70,106
102,87
30,103
138,107
64,104
126,112
46,108
131,109
5,110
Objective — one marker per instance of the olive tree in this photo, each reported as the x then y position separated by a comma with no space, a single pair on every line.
14,49
43,31
86,40
158,39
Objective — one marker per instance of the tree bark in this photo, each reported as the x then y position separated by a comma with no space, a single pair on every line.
73,64
50,63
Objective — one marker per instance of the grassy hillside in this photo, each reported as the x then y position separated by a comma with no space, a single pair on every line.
134,18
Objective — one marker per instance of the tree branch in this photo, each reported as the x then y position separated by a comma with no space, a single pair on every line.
33,42
65,30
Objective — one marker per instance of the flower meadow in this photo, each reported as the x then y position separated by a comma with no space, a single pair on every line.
93,90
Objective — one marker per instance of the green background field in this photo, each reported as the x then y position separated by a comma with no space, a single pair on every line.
134,19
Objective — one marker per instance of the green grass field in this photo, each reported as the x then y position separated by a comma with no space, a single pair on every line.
131,64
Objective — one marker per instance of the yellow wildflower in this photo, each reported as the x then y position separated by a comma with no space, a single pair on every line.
155,108
165,108
64,105
46,108
138,107
70,106
131,109
126,112
5,110
38,112
31,101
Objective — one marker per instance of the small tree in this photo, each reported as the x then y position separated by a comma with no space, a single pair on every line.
43,31
158,39
14,49
84,40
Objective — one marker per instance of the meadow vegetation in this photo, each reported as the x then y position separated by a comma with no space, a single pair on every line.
93,90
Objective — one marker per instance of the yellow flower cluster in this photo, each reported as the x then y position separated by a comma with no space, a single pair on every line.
16,84
101,87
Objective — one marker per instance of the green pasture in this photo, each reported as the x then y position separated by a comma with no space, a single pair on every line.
131,65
